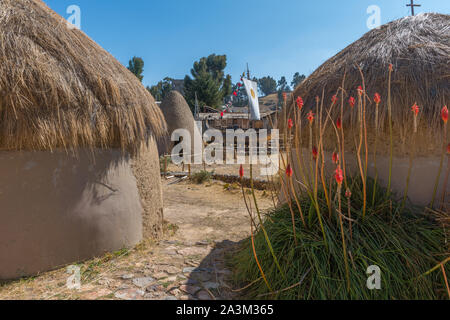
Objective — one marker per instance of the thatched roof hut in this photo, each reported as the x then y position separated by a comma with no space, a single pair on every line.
419,49
178,115
78,162
59,89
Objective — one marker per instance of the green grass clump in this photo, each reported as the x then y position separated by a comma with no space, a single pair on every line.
403,242
201,177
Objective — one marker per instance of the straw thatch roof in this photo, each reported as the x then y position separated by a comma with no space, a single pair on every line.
178,115
419,49
59,89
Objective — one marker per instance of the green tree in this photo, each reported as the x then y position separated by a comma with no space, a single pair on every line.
241,98
282,87
209,81
267,85
160,90
297,79
136,66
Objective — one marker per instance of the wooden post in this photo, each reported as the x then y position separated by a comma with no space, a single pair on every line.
165,166
412,5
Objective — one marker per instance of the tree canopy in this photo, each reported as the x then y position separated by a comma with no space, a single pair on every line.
160,90
297,79
208,79
136,66
267,85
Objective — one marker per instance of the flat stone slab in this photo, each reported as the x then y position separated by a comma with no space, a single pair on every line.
190,289
129,294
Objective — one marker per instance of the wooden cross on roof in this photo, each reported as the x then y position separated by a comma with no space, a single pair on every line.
412,5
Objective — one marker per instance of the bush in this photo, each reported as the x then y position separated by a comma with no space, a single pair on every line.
404,245
201,176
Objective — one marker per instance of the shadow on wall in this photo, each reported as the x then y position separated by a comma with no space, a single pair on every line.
57,209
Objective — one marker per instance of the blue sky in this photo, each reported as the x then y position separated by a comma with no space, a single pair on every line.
276,37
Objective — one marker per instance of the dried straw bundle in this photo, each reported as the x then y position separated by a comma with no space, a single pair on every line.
59,89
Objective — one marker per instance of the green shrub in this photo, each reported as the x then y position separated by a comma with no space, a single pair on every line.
201,176
404,243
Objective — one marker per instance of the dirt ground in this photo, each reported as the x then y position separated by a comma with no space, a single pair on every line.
204,222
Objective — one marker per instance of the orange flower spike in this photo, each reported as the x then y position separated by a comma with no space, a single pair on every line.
444,114
348,194
448,149
334,100
415,108
289,171
339,176
351,102
335,158
290,123
360,91
241,171
391,67
300,103
339,123
284,96
315,153
311,117
377,99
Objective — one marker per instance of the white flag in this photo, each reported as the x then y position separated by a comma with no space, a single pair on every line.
252,91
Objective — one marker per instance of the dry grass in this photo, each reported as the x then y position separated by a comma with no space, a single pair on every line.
59,89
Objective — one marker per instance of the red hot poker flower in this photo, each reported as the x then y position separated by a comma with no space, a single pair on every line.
348,194
444,114
339,123
334,99
391,67
289,171
377,99
315,153
241,171
335,158
360,90
311,117
339,176
448,149
300,103
284,96
415,109
290,123
351,102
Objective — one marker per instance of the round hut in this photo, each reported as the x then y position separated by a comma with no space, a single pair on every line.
79,172
178,115
418,47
